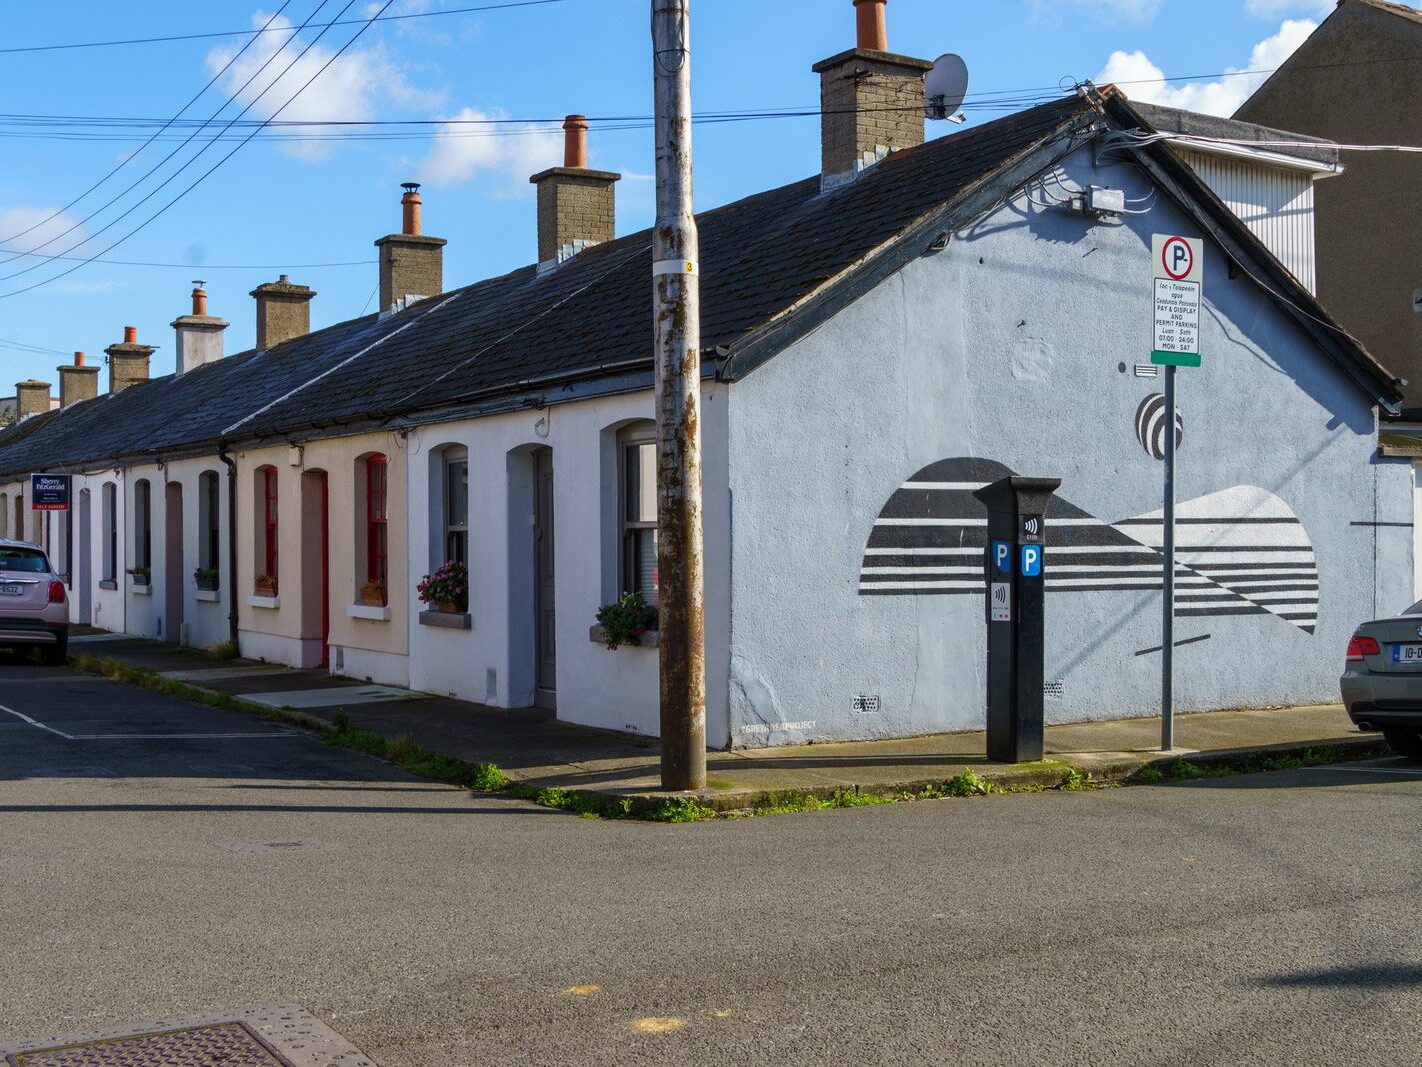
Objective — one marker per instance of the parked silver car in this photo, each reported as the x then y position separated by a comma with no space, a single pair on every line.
1382,680
33,608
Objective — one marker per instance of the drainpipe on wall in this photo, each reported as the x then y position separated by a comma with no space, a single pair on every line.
231,465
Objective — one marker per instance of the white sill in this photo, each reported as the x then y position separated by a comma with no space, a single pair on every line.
142,590
208,596
270,602
365,611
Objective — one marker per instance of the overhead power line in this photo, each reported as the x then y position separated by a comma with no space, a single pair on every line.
253,33
195,266
132,156
189,162
208,173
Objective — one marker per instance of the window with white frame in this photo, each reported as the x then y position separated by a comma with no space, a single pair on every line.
455,512
637,451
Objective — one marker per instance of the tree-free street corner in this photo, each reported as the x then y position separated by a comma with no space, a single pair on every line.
671,531
425,925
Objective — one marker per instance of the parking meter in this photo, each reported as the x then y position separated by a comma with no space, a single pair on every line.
1016,565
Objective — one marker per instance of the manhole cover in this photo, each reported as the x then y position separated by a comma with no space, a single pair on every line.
279,1036
230,1044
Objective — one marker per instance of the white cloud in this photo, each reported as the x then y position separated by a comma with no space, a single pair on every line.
353,87
41,229
1140,78
462,151
1137,11
1272,9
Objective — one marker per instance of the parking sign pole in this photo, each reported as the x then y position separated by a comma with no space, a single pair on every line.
1167,618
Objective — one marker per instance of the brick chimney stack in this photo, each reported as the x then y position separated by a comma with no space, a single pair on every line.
411,264
873,100
577,207
31,398
77,382
128,361
283,312
199,335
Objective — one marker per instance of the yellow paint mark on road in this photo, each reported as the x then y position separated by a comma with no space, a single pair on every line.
658,1024
718,1015
583,990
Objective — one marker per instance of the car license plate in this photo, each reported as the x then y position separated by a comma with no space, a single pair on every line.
12,590
1407,654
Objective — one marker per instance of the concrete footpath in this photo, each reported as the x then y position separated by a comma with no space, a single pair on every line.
533,748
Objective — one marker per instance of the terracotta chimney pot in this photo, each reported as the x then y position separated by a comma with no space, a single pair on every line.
411,203
199,299
873,31
78,359
575,142
130,335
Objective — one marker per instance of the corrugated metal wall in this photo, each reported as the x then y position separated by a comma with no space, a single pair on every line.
1276,204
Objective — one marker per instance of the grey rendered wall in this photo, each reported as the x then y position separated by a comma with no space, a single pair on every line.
1017,345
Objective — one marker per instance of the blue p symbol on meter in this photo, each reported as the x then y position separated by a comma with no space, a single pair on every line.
1031,560
1002,557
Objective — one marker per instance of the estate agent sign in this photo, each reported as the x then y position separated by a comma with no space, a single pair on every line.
49,492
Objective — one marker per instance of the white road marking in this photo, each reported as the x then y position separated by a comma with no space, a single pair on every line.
171,737
36,723
1371,770
140,737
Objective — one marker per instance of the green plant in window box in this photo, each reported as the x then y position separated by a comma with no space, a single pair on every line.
374,595
265,585
206,578
447,589
140,575
624,621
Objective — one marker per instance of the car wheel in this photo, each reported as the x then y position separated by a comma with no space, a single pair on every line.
57,654
1404,742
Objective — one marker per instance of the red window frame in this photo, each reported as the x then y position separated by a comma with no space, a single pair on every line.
270,517
377,545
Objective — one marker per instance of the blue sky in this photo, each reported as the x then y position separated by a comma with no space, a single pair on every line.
292,206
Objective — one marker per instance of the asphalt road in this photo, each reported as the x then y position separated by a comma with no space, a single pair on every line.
1264,919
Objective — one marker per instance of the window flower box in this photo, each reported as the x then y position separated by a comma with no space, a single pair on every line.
140,575
629,620
265,585
446,591
374,595
207,579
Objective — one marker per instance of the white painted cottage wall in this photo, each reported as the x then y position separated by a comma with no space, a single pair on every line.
491,662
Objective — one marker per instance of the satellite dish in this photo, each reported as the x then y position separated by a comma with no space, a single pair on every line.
946,86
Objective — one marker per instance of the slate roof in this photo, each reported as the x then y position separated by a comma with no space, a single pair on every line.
765,260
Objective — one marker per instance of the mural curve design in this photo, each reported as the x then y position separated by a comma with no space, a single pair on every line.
1239,551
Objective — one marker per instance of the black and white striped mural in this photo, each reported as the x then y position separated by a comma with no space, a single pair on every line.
1150,426
1240,551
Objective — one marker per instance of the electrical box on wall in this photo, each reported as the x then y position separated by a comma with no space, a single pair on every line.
1099,202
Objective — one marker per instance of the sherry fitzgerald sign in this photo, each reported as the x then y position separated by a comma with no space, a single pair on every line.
49,492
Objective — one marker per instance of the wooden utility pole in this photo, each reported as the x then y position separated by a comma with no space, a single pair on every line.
677,302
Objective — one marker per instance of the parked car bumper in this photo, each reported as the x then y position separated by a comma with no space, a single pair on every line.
32,631
1383,701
